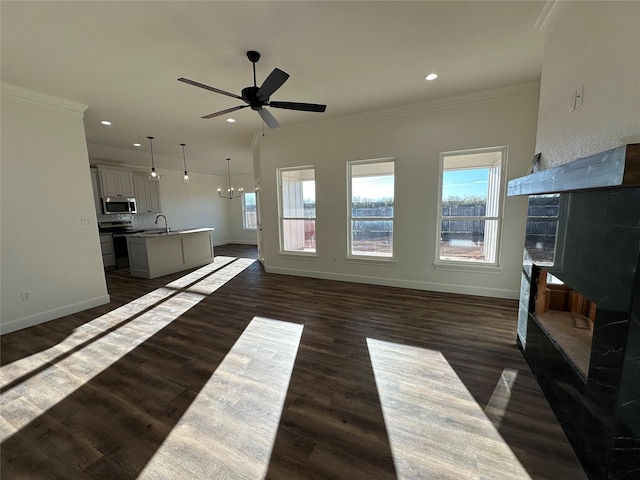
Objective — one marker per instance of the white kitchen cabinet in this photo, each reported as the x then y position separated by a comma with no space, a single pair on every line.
108,254
116,182
147,193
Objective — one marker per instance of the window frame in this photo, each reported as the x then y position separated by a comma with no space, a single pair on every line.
282,218
363,258
244,211
471,265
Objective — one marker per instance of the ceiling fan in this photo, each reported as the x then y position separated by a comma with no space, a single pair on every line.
259,97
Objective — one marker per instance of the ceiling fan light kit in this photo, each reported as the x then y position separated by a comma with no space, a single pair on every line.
259,97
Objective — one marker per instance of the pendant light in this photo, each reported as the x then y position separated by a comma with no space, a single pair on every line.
153,175
185,178
230,193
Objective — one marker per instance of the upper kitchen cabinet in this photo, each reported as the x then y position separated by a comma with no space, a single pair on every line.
116,182
147,193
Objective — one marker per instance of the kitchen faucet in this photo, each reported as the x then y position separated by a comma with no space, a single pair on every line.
166,225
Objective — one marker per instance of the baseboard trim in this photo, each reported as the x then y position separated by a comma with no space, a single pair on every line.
42,317
395,282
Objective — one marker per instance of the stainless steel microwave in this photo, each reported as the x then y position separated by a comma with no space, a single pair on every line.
113,205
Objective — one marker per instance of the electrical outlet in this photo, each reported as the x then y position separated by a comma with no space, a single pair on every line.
335,259
26,296
85,220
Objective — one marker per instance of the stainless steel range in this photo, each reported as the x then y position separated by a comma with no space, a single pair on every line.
119,229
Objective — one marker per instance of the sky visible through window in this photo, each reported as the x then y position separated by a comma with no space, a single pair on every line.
250,199
456,183
363,187
469,182
309,191
372,187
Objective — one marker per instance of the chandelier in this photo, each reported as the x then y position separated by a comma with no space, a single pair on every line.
231,194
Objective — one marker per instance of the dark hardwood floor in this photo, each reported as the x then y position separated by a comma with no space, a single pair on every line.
231,372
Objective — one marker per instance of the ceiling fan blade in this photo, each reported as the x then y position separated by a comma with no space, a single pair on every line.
272,83
307,107
223,112
207,87
268,118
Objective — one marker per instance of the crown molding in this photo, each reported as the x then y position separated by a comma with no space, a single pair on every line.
550,12
525,89
42,98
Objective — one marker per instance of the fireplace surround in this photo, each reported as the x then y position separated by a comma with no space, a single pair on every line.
590,374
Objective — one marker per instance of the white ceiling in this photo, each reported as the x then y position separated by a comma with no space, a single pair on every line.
122,59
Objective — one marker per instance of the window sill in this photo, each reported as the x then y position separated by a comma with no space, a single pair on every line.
467,267
300,255
386,261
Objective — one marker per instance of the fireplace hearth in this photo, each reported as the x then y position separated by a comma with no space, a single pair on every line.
579,316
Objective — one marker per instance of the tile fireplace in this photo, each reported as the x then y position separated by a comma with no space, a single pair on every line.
579,312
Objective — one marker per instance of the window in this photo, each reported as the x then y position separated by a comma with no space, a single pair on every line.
470,207
371,212
297,205
249,218
542,227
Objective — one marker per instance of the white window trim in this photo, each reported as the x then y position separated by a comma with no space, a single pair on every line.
299,255
465,265
468,267
244,216
370,259
283,252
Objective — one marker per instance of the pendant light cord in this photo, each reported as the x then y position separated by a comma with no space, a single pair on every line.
151,145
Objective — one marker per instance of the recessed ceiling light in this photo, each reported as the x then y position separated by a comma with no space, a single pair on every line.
431,76
137,145
231,120
105,122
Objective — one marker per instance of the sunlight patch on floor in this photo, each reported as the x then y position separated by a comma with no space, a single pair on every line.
499,401
429,414
229,429
51,375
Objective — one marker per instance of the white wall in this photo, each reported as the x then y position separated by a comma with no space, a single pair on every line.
46,189
415,138
595,44
238,233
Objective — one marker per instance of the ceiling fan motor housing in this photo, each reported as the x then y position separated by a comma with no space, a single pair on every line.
250,95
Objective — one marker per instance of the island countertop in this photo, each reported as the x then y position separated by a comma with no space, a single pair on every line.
156,233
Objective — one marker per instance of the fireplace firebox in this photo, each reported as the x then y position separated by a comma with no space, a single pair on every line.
579,313
566,316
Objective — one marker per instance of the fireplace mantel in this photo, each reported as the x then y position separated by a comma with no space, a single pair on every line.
618,167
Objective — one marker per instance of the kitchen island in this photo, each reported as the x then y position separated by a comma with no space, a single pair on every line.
154,254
